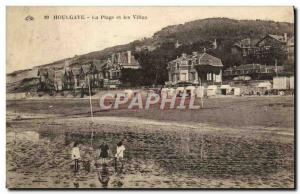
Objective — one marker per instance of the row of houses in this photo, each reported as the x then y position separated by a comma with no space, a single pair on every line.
251,71
81,74
198,68
265,47
205,69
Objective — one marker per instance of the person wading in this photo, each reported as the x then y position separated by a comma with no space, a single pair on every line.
75,156
119,155
104,153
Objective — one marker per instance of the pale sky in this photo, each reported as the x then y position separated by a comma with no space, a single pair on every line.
37,42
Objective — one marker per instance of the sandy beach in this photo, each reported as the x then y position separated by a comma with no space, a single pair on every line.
162,150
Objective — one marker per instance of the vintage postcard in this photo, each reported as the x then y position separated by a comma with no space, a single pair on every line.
150,97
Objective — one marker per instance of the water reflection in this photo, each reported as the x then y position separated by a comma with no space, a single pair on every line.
103,175
22,136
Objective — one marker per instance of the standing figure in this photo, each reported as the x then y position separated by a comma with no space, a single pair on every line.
75,155
104,153
120,154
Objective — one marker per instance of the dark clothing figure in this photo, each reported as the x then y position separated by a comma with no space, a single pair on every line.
82,92
104,153
104,149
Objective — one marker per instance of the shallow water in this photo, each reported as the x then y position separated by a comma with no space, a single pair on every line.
153,154
195,154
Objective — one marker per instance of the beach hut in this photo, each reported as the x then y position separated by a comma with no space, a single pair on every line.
128,93
212,90
164,91
225,89
179,91
265,85
236,91
200,92
292,82
281,83
171,92
190,90
242,78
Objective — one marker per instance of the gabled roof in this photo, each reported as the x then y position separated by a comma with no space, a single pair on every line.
58,73
75,71
97,65
276,37
207,59
178,59
100,66
291,41
85,68
202,59
50,73
246,43
42,71
122,59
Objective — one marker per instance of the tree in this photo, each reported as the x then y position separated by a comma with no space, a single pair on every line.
131,77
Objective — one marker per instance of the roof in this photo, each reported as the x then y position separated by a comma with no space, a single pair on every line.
264,85
225,87
276,37
249,66
212,87
75,71
58,74
122,59
207,59
291,41
99,64
246,43
203,59
46,72
42,71
85,68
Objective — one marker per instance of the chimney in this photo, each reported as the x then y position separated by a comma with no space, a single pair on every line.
113,58
248,42
215,44
285,37
119,57
177,44
195,53
129,57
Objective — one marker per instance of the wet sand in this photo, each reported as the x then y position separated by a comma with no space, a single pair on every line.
159,153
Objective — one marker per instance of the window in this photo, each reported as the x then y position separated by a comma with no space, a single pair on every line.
192,76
